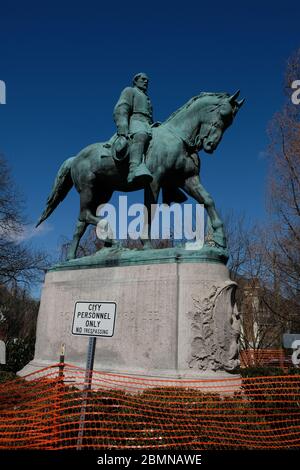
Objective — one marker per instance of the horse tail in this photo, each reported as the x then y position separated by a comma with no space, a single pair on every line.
62,185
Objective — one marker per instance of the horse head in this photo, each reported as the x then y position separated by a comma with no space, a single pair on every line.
217,119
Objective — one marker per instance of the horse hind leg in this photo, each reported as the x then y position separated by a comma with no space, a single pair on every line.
85,218
151,193
78,234
88,207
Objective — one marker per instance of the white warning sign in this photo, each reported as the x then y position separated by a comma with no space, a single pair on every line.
94,318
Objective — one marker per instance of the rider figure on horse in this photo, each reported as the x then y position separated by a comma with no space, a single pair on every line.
133,118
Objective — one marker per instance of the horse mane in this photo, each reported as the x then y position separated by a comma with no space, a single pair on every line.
203,94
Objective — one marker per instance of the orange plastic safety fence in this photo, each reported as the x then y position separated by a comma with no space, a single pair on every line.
265,357
49,410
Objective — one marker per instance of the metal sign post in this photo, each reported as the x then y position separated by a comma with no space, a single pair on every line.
91,319
87,387
90,362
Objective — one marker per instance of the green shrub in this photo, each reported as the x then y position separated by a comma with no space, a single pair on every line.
19,352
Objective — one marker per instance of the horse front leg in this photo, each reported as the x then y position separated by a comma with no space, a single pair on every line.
194,188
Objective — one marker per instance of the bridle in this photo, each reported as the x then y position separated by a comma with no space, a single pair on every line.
196,144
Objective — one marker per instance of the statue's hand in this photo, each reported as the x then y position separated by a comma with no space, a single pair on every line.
120,147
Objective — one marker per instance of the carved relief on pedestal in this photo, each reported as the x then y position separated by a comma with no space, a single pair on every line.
216,330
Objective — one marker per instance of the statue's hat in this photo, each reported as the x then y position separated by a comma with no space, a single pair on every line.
137,75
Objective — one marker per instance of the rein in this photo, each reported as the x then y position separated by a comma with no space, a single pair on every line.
192,146
197,143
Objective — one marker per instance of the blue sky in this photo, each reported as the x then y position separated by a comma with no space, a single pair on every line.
65,63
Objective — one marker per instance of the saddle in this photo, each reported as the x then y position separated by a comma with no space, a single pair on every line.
119,151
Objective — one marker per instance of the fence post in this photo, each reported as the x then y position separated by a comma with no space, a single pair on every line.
58,392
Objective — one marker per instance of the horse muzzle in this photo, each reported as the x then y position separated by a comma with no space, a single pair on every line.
209,147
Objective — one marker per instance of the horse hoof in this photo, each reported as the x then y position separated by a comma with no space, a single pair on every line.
146,244
70,256
220,241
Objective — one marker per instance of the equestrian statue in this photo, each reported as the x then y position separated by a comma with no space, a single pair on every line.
149,156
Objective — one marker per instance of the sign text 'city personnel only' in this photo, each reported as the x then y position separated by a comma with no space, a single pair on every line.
94,318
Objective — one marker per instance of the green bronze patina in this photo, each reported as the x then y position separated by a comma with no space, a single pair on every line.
114,256
133,118
171,162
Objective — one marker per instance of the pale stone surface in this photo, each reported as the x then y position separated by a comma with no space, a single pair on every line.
172,320
2,352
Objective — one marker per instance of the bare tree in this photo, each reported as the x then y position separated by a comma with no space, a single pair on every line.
265,258
18,262
249,267
20,267
284,196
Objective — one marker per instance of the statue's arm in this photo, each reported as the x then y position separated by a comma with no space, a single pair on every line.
123,111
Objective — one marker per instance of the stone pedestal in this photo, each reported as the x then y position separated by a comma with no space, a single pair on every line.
175,318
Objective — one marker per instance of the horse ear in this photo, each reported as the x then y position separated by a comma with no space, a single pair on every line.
233,97
237,106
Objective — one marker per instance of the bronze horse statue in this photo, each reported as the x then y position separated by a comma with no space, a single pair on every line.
171,157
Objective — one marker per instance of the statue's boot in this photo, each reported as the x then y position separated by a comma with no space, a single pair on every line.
138,172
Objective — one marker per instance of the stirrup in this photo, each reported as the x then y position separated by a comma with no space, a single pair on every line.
140,175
